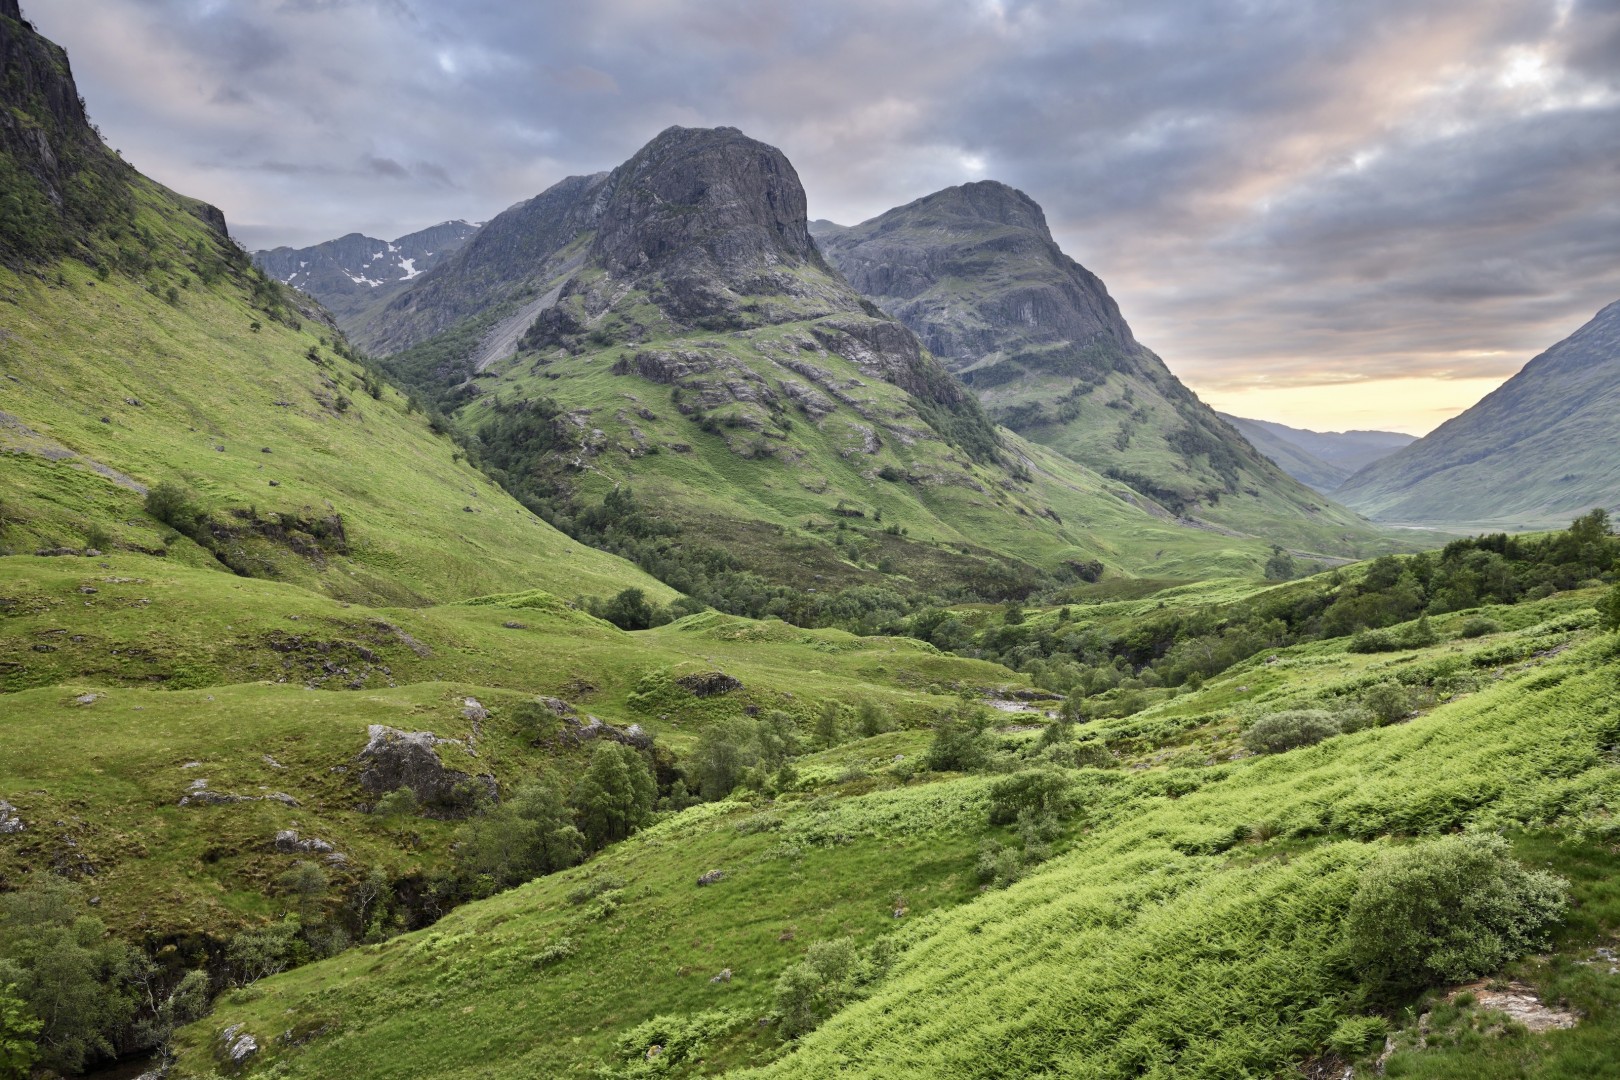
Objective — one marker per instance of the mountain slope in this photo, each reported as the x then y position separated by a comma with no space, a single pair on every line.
141,348
354,274
674,328
1537,451
1319,459
975,272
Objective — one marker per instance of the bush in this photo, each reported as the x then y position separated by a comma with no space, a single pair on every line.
1609,609
1282,731
174,506
1040,791
1389,702
960,743
1357,1035
1477,626
1446,910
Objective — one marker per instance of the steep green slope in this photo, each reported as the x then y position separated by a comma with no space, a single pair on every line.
1542,446
157,354
1190,925
975,272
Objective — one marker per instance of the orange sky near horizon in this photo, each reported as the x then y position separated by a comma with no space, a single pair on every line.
1415,405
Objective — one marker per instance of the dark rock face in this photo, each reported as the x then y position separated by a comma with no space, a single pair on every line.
709,683
60,180
708,203
394,759
1024,297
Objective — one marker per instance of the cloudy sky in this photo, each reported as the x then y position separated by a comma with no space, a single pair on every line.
1334,214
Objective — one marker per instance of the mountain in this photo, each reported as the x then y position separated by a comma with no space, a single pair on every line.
354,274
671,327
974,271
1319,459
1539,450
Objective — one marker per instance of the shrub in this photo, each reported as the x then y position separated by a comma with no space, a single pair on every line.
1609,609
1357,1035
17,1032
1282,731
1477,626
1388,701
1041,791
174,506
959,742
1446,910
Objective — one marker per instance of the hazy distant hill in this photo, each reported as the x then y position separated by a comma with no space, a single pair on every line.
1537,451
354,274
1320,459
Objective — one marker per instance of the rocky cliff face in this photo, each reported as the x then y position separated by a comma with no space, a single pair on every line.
1541,449
974,271
62,192
57,181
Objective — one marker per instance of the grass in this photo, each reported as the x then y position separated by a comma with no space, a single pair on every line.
1188,925
192,665
186,392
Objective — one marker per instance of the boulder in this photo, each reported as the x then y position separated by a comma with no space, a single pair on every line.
393,759
709,683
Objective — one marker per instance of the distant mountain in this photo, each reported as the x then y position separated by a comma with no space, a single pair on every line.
1320,459
974,271
1541,449
354,274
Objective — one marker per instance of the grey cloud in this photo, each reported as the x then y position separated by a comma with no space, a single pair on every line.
1310,190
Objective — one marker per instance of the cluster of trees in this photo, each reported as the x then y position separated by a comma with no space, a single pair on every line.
1177,647
70,993
544,826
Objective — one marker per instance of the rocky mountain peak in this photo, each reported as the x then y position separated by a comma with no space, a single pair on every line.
986,201
710,194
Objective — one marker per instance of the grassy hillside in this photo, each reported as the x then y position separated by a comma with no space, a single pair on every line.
172,674
1188,922
113,386
1537,449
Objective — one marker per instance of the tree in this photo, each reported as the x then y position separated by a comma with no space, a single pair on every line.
630,610
71,976
717,763
1445,910
616,795
1609,609
959,743
18,1029
530,834
1280,567
816,987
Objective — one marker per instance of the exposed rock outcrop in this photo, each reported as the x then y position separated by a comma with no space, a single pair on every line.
394,759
